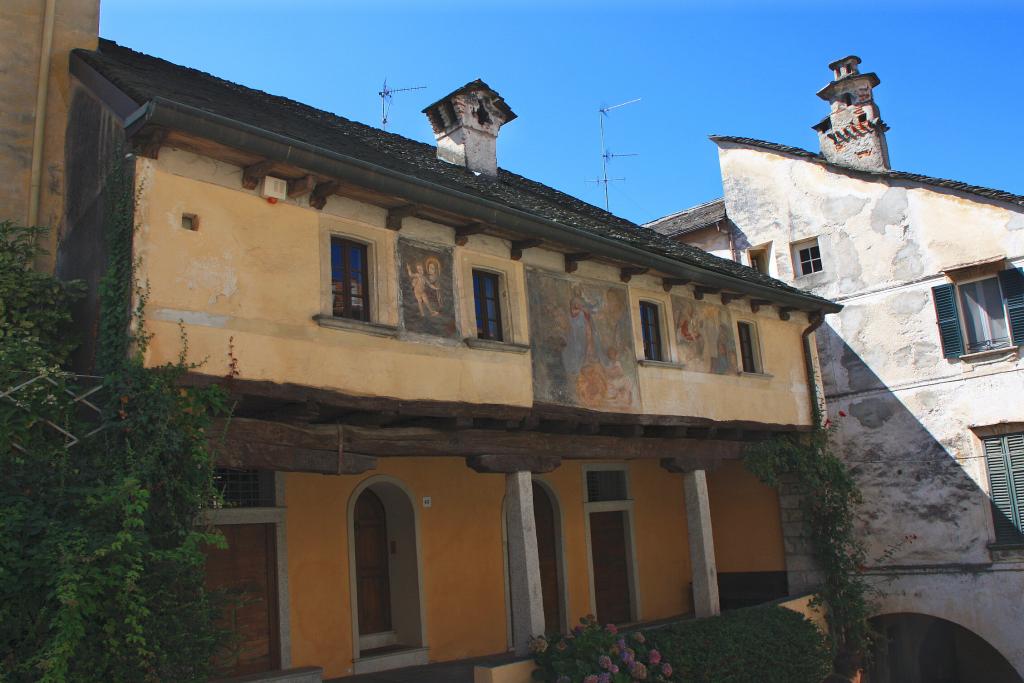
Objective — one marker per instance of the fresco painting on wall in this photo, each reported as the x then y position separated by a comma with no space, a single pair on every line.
704,335
582,344
428,301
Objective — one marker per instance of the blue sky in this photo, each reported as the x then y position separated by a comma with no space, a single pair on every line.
951,77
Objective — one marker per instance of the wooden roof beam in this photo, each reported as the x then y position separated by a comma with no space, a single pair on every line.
756,304
252,175
669,282
572,261
700,290
399,214
301,186
627,273
731,296
462,234
518,246
318,197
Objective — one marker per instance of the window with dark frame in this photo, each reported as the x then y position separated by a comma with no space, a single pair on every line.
487,296
809,257
244,488
980,315
350,286
606,485
650,326
984,315
748,347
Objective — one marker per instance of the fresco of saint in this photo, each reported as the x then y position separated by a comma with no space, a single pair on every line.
704,335
428,302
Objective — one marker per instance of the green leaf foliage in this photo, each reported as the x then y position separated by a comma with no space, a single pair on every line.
101,545
765,644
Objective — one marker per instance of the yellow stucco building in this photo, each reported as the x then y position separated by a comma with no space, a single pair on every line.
468,408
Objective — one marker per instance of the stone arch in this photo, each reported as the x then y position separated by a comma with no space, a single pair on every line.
916,647
408,625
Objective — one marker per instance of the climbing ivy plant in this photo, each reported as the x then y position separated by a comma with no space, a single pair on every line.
829,496
101,546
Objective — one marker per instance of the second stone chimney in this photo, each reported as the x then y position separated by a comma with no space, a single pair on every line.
466,124
853,134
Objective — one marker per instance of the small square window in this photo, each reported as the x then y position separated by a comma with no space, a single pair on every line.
487,298
750,353
606,485
350,280
807,257
650,325
190,221
758,260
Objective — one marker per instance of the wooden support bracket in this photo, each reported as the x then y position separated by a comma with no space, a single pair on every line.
509,464
318,197
518,246
462,234
730,296
148,144
301,186
252,175
627,273
700,290
399,214
668,283
572,261
784,312
756,304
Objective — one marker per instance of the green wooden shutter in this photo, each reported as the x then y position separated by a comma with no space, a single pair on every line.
1005,458
948,318
1012,281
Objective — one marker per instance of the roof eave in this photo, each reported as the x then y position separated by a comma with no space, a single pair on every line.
233,133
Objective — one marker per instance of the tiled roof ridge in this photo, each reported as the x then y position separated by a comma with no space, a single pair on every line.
695,207
947,183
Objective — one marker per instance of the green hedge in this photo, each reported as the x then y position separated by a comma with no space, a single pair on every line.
765,644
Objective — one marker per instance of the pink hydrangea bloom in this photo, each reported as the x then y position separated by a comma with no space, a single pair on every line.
592,678
611,628
666,669
604,661
654,657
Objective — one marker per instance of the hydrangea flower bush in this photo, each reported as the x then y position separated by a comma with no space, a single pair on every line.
592,653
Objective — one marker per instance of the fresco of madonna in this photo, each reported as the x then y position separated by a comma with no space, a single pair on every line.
582,343
704,335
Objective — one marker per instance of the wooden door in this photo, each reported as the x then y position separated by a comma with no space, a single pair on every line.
246,571
611,568
547,549
372,577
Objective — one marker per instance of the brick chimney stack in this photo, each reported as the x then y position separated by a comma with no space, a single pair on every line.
853,134
466,124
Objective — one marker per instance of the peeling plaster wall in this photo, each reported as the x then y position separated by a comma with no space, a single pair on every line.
909,411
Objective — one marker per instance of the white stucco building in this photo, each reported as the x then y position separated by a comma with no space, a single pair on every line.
922,369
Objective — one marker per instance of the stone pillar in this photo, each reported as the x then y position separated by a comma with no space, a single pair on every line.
803,573
523,561
702,545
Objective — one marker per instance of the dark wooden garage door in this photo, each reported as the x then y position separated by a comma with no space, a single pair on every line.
547,550
611,568
372,577
247,571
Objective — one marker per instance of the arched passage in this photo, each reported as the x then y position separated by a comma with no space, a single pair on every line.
384,556
917,648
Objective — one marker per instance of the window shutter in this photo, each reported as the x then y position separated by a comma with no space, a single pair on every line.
1005,458
1012,281
944,297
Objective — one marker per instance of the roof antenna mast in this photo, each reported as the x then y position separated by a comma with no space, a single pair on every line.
385,95
606,154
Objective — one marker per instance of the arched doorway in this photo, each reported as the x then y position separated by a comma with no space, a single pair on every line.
917,648
548,551
384,556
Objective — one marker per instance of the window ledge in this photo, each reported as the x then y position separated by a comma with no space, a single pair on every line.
647,363
989,354
1007,552
756,375
375,329
494,345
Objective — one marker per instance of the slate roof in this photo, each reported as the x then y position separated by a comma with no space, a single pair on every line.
690,220
142,77
986,192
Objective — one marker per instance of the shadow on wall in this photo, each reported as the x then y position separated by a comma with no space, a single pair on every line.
915,648
920,505
921,508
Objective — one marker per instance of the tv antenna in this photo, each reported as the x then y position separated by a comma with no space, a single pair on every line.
385,95
606,154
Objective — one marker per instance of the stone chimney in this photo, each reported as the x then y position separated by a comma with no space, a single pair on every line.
853,134
466,124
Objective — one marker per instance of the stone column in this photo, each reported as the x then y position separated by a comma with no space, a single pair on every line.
702,545
523,561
